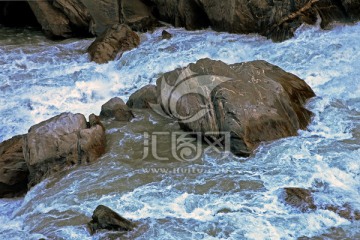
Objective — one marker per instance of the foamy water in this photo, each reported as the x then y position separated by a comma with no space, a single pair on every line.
232,198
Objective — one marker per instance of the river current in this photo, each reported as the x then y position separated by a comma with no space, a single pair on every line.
232,198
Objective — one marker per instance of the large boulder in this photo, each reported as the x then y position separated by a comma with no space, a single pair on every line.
13,169
77,13
253,101
61,142
54,23
143,98
105,14
105,218
137,15
115,40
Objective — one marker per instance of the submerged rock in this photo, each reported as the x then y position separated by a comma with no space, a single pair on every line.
60,142
303,200
105,218
299,198
117,108
115,40
143,97
253,101
13,169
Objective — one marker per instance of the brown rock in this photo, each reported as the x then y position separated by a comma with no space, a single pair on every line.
303,200
299,198
166,35
61,142
54,23
77,13
143,97
345,211
254,101
117,39
17,14
105,218
105,13
277,20
137,15
116,107
13,170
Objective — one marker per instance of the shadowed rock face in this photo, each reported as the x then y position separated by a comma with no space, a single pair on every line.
253,101
117,108
143,97
54,23
78,15
105,218
137,15
115,40
13,170
61,142
105,14
277,20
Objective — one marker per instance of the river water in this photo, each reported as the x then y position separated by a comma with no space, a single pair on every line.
232,198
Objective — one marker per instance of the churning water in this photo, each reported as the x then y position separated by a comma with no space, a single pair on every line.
231,198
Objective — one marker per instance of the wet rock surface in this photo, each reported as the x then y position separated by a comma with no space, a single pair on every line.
303,200
13,169
117,108
54,23
115,40
59,143
104,218
253,101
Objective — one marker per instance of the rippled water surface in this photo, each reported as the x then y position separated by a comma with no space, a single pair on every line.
225,199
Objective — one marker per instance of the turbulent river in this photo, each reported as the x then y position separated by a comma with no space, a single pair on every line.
233,198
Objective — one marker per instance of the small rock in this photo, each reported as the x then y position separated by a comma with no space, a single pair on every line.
105,218
143,97
117,108
166,35
299,198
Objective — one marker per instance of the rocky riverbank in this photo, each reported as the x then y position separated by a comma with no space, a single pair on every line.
277,20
